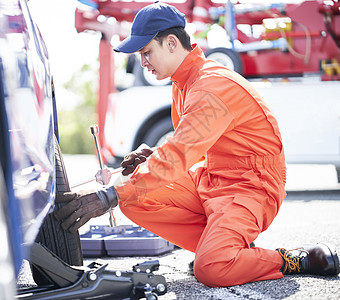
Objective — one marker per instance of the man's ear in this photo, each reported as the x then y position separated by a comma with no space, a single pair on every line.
172,42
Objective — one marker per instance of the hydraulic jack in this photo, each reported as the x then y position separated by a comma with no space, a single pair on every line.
93,281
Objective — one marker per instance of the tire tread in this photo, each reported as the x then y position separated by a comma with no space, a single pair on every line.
64,244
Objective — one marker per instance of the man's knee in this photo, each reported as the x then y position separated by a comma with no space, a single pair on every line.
216,270
215,274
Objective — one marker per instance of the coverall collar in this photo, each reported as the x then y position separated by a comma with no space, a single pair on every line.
187,68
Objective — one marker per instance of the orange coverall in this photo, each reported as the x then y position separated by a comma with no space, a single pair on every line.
215,210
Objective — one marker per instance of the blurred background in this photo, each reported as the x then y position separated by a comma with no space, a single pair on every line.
288,49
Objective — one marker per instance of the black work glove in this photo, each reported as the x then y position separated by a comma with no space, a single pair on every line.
84,205
133,159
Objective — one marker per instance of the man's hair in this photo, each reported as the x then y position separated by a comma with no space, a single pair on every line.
179,32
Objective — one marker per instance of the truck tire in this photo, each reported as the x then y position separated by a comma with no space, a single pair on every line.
158,132
227,57
64,244
145,78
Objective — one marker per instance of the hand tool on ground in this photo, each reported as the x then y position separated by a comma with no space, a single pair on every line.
93,281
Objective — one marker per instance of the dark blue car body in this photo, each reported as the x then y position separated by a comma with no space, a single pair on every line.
28,124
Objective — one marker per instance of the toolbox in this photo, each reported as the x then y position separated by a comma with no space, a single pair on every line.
92,241
124,240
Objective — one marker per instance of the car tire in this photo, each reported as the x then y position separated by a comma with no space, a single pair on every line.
157,133
64,244
227,57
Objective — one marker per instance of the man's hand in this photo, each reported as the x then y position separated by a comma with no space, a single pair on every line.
133,159
84,205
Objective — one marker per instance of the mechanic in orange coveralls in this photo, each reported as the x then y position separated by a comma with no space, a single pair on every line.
216,209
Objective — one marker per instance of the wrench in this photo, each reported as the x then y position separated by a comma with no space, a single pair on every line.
103,176
95,131
115,171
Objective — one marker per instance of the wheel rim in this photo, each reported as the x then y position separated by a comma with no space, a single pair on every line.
162,139
223,59
151,79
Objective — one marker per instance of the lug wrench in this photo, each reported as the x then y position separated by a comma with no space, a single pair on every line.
103,175
115,171
95,131
98,177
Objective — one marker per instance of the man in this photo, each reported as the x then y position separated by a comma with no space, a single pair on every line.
216,209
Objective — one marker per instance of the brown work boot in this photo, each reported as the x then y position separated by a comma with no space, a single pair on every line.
318,259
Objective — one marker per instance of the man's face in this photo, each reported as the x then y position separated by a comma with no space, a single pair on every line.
156,58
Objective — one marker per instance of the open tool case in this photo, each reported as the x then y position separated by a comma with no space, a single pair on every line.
124,240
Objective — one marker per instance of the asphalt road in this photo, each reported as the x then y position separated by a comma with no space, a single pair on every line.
298,222
310,214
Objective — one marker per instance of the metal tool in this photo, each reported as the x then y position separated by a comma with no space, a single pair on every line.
104,175
114,171
93,281
95,131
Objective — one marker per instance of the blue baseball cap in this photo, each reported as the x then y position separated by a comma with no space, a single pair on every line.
148,22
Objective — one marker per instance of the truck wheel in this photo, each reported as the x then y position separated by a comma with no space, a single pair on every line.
144,77
157,134
226,57
64,244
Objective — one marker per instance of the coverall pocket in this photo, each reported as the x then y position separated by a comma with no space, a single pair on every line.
252,209
242,220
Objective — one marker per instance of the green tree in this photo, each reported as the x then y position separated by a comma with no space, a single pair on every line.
75,136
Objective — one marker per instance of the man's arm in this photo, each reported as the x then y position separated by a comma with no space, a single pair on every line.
204,120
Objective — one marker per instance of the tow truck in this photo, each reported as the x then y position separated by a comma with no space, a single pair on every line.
291,52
